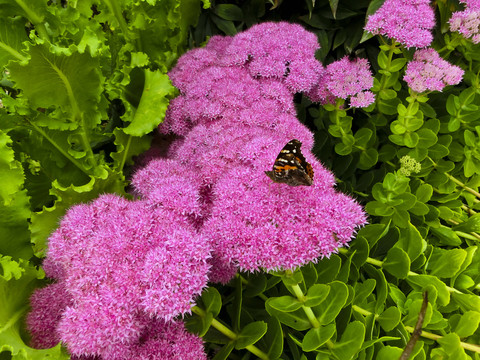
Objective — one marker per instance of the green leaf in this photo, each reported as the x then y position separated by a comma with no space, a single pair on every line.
229,12
368,158
71,82
451,345
17,281
227,26
285,303
446,236
397,64
471,225
447,262
12,35
363,291
427,138
14,204
422,281
467,302
389,353
328,310
397,263
468,324
411,241
374,232
328,269
127,148
153,104
274,338
250,334
296,320
316,337
316,294
224,352
212,301
390,318
350,342
413,312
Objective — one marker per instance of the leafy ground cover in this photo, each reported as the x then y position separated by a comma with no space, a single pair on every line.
85,86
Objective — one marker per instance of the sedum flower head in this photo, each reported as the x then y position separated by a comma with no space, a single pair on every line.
47,307
467,22
259,225
260,68
345,79
124,261
407,21
428,71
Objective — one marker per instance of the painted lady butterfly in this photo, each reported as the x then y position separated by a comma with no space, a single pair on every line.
290,167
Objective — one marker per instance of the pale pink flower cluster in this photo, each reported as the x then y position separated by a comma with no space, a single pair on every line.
345,79
429,72
467,22
407,21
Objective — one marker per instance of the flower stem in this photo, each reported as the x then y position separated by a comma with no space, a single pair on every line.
463,186
229,333
308,310
379,263
425,334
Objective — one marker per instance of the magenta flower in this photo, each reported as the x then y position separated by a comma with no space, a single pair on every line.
161,341
467,22
428,71
281,51
259,68
343,79
407,21
211,151
48,304
259,225
126,261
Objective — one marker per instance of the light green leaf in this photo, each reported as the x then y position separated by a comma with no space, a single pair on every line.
468,324
153,104
328,310
285,303
250,334
128,147
316,294
422,281
350,342
467,302
18,281
397,263
316,337
71,82
446,263
390,318
12,34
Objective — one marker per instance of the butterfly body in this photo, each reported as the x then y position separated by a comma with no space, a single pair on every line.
290,167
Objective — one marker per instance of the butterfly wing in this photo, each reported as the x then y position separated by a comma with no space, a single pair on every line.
290,167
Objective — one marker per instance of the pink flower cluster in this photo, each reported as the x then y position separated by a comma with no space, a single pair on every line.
234,114
123,270
428,71
467,22
345,79
407,21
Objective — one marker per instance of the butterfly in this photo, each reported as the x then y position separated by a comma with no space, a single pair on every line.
290,167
